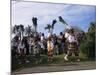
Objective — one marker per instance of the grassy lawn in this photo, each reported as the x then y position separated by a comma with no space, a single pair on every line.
58,59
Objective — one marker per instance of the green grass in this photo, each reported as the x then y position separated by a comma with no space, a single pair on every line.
58,59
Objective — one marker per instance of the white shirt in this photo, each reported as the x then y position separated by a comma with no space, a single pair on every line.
49,34
66,35
41,44
71,39
42,38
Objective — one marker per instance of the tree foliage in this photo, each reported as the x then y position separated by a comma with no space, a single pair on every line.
88,44
50,27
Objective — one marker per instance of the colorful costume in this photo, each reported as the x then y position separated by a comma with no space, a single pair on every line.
50,47
72,47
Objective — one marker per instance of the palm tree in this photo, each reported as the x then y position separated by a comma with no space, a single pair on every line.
53,23
51,27
34,20
15,29
64,22
28,30
48,27
92,27
20,30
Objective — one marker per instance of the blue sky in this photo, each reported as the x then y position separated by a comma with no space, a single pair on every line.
74,15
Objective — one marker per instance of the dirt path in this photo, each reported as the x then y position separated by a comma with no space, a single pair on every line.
60,67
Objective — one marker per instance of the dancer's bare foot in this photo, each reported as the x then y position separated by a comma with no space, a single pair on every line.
66,59
78,60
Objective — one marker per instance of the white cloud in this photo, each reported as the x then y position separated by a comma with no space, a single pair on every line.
26,10
22,13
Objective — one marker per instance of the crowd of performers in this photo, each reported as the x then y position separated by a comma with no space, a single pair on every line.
51,45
